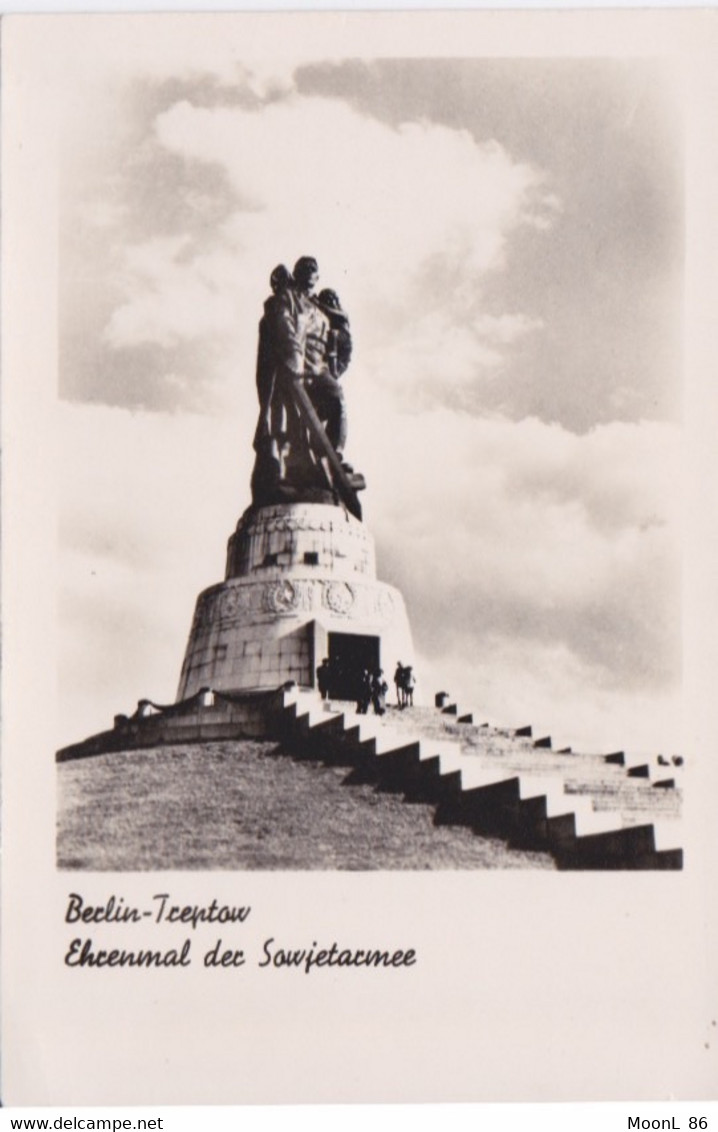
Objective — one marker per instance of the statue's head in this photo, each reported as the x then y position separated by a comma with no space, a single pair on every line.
280,278
329,299
306,273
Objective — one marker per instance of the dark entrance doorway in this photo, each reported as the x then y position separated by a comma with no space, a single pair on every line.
349,655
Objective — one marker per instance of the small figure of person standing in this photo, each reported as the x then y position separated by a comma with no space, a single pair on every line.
324,678
408,685
399,683
365,692
379,689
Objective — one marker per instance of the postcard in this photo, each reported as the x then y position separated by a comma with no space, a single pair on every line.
358,530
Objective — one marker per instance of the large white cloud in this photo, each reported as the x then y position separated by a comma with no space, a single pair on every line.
406,223
316,169
177,294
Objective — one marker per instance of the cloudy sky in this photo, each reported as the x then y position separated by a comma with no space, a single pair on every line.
507,238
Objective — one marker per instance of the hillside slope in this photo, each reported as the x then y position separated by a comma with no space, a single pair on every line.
242,804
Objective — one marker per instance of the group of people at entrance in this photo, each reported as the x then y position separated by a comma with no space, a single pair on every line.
304,339
366,685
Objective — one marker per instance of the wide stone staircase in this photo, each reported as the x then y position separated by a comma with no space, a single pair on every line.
590,811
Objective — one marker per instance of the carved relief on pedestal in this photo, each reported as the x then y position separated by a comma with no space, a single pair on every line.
280,597
236,600
386,604
305,589
258,602
229,603
339,597
299,521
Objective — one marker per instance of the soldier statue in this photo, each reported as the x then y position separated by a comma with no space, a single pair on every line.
305,346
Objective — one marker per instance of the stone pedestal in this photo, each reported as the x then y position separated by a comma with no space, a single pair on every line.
300,585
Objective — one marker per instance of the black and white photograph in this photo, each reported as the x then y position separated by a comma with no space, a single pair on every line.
360,438
489,323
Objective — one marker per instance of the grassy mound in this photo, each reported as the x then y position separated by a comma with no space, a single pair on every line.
247,805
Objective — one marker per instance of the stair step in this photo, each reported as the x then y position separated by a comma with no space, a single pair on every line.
641,770
634,843
591,811
616,757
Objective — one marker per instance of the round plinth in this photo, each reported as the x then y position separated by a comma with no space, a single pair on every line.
301,585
